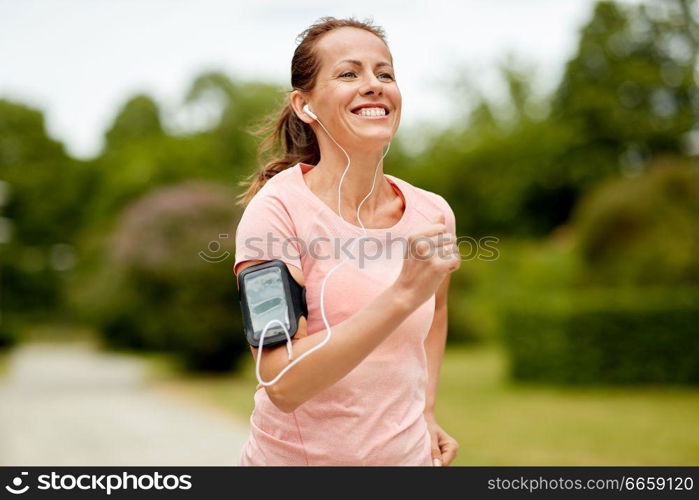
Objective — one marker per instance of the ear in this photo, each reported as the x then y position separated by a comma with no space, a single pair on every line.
297,102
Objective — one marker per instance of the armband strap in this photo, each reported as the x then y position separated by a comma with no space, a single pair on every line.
267,292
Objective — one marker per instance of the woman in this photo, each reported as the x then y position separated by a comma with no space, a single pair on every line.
367,397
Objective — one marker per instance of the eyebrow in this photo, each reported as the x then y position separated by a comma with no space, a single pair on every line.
358,63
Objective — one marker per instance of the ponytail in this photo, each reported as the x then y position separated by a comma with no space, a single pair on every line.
299,144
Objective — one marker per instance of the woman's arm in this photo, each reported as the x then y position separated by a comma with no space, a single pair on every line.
434,344
351,342
356,337
444,447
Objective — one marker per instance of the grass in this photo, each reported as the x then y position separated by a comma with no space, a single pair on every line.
58,332
4,361
498,422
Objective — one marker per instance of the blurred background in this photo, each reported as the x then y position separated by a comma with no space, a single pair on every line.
568,131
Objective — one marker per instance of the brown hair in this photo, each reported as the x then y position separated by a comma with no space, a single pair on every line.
297,139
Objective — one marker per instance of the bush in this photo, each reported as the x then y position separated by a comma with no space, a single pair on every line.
643,230
482,288
606,337
156,292
8,333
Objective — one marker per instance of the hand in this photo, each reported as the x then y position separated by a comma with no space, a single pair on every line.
444,447
430,254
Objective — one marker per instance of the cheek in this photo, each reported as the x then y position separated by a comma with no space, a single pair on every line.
398,98
397,102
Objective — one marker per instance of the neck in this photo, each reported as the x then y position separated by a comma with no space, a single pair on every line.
356,184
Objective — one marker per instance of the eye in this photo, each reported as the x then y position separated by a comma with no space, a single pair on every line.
381,75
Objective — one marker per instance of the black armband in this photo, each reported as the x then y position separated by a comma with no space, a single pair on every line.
267,292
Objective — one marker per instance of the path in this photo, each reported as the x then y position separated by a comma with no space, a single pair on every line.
68,404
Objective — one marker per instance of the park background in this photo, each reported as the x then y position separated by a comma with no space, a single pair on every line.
576,345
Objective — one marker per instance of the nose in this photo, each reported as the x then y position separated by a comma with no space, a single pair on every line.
372,86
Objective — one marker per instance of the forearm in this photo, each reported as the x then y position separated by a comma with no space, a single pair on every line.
435,344
434,348
351,341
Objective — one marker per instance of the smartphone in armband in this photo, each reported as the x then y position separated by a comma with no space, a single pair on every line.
268,292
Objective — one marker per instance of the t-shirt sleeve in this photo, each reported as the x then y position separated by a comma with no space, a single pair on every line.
266,231
449,217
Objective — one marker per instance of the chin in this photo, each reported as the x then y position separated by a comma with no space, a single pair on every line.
383,135
373,143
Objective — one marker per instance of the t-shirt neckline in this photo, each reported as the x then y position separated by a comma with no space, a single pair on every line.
406,202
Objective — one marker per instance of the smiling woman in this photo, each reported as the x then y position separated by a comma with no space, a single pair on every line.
376,331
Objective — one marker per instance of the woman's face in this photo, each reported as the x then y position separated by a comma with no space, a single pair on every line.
356,70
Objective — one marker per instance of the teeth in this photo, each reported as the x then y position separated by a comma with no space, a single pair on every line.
372,112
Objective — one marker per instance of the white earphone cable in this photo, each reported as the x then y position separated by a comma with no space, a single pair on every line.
325,279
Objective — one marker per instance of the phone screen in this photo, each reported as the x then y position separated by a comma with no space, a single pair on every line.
266,301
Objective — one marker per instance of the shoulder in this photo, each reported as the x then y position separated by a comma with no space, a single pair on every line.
276,195
273,207
427,203
267,229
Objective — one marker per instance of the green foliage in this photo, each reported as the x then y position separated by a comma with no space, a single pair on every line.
500,174
240,107
139,155
41,199
608,336
142,305
630,91
643,230
155,291
139,119
46,188
8,334
518,166
483,288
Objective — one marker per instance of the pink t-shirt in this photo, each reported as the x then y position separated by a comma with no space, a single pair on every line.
374,415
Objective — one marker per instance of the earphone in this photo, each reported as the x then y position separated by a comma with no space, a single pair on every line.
310,113
290,351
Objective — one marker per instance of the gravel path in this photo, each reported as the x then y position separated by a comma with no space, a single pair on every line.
68,404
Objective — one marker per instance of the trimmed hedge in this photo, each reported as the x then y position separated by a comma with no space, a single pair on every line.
606,337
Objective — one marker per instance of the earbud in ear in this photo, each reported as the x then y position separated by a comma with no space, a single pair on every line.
308,111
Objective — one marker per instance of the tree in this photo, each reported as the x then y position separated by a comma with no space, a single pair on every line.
630,91
42,212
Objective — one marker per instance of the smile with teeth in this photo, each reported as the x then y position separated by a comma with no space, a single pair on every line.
371,112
